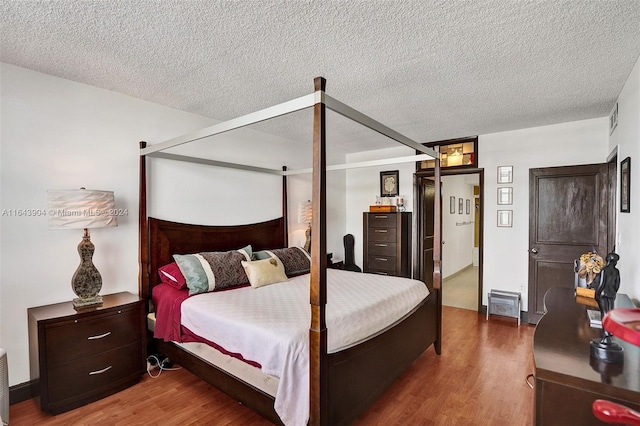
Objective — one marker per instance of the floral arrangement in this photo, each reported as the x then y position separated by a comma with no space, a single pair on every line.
590,266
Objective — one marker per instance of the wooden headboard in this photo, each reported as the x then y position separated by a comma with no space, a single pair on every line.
160,239
168,238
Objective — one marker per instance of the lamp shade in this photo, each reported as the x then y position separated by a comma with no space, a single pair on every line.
304,212
81,208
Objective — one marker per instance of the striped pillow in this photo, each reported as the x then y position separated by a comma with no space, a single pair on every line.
213,271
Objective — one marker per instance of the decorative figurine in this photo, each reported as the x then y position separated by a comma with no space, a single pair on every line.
604,348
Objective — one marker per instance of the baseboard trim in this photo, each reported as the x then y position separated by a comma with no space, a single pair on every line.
455,274
22,392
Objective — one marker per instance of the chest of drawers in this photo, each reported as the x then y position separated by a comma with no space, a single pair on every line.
387,243
77,357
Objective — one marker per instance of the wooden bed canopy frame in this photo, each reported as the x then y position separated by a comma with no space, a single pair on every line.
342,384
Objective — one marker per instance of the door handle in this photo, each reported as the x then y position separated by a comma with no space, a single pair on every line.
534,250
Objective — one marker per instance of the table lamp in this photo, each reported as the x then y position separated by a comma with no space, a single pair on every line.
83,209
305,215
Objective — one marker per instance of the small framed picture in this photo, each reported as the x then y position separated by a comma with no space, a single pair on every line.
389,183
505,174
460,205
625,185
468,207
505,195
452,204
505,218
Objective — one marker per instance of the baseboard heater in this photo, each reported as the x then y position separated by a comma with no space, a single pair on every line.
504,303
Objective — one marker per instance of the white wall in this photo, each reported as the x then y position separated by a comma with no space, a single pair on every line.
58,134
505,249
626,137
457,229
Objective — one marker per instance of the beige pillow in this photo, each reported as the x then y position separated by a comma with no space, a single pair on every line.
264,272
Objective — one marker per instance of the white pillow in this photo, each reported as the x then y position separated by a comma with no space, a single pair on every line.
264,272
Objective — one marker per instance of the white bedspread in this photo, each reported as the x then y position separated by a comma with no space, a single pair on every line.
270,325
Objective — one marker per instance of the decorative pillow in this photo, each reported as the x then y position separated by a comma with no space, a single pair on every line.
212,271
170,274
262,254
264,272
296,261
191,266
247,251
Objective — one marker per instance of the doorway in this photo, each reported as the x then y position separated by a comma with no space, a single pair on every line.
461,236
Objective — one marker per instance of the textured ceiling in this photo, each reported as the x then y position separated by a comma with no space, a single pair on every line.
429,69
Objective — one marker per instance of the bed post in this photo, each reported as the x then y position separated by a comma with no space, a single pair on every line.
285,204
437,248
318,359
143,237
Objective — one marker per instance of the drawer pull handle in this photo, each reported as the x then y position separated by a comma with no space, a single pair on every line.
382,259
381,245
104,370
530,376
381,217
384,231
99,336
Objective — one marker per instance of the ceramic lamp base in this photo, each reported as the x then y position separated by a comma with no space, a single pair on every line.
86,282
307,244
79,303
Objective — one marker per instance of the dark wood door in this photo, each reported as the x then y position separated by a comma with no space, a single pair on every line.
567,217
428,192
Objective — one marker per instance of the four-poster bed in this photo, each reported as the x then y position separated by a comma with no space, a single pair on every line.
342,384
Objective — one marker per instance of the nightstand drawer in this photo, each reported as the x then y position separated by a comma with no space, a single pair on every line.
89,336
381,220
381,248
382,234
382,263
92,375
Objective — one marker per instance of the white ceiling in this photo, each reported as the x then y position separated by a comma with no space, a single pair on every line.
431,70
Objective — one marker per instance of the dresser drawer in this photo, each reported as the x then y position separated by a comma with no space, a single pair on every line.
93,375
73,340
381,220
387,243
382,263
381,248
382,234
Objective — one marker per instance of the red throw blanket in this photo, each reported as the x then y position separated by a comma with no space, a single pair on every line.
167,301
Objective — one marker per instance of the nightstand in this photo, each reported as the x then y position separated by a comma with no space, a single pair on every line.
77,357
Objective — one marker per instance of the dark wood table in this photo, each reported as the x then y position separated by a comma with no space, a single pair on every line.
567,378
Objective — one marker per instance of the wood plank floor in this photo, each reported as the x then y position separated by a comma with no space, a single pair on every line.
478,380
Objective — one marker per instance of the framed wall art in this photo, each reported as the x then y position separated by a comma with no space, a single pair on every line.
625,185
505,174
505,195
468,207
460,205
452,204
505,218
389,183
